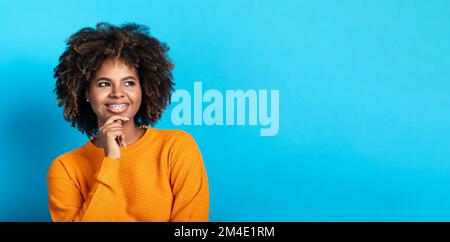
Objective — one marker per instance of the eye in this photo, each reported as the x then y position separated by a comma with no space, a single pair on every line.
103,84
129,83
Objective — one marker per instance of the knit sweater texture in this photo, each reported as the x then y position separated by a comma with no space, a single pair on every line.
160,177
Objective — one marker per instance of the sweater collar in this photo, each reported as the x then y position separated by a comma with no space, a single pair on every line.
91,147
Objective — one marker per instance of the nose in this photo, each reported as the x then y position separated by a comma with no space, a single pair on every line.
116,92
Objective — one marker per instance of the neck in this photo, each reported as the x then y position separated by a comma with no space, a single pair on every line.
131,132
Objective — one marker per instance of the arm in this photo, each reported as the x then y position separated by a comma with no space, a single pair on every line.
65,198
67,203
190,187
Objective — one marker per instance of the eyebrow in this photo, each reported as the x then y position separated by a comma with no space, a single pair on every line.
108,79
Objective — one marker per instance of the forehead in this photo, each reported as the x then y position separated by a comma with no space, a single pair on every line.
115,67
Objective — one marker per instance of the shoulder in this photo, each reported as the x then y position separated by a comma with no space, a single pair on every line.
66,163
175,137
180,148
177,144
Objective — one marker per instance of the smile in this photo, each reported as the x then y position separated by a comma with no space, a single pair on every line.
117,108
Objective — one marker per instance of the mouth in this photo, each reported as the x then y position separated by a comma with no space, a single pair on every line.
117,108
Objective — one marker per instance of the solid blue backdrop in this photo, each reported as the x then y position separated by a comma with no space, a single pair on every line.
364,103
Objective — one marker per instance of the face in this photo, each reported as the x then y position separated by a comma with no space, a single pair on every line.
114,90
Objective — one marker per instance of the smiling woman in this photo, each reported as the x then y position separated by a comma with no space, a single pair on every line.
112,83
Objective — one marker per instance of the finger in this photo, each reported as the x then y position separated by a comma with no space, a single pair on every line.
105,129
112,125
113,132
113,135
122,140
117,139
113,118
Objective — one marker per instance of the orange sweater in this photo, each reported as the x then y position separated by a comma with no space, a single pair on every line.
160,177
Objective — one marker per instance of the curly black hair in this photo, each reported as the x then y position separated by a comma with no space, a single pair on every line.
88,48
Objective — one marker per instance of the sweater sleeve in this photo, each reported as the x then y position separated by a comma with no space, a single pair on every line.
66,202
190,187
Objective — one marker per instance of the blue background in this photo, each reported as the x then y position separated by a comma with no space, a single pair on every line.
364,103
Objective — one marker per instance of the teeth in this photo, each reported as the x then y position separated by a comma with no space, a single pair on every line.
117,105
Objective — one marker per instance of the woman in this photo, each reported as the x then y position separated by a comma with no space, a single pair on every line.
112,82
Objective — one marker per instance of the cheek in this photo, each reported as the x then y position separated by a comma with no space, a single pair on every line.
137,96
137,102
96,99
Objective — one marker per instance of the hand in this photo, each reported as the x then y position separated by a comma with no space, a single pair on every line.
112,136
